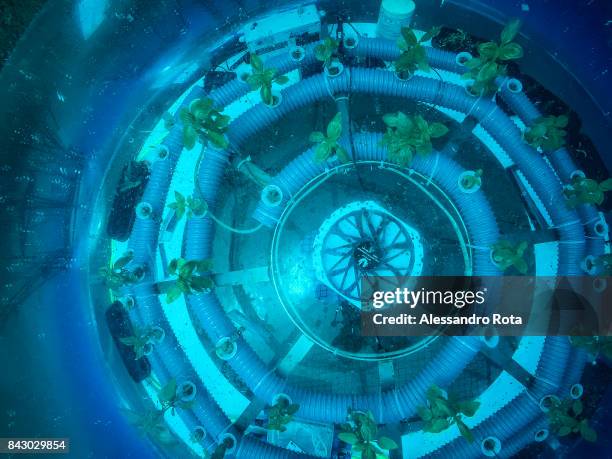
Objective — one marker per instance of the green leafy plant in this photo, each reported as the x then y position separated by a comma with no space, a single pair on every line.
204,122
280,414
170,399
491,60
443,411
505,254
469,181
190,206
327,50
547,133
406,136
142,340
151,423
594,345
117,276
328,143
566,417
192,276
583,190
413,55
361,433
262,78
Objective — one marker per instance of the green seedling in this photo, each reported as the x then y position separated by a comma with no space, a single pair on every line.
413,54
201,121
191,276
262,78
407,136
492,59
505,254
328,145
361,433
442,411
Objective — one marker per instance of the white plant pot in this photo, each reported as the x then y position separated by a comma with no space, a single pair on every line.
462,187
490,446
220,350
330,72
350,42
144,210
228,436
186,391
541,435
462,57
546,401
277,99
576,391
198,434
297,53
272,195
514,86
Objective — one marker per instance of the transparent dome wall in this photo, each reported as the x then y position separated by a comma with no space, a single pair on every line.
193,193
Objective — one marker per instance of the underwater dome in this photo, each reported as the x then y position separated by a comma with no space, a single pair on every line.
197,193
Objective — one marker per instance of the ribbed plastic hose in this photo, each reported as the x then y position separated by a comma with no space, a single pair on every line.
390,406
563,164
451,97
366,80
251,448
554,368
494,120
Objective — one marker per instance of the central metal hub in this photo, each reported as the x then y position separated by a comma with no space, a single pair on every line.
362,240
366,255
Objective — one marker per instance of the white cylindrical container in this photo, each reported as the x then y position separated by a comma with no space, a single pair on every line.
393,15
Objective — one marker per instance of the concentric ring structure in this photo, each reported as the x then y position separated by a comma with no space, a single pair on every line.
290,238
554,363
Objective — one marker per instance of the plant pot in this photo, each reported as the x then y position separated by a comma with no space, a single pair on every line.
297,53
277,99
198,434
462,57
541,435
514,86
468,88
272,195
226,348
576,391
577,174
161,153
334,69
139,273
589,266
600,284
490,338
350,42
144,210
281,396
148,348
490,446
547,401
229,441
492,257
242,76
463,186
159,335
186,391
600,228
403,76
